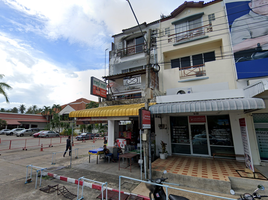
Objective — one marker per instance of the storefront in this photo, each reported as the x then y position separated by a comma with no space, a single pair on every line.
122,121
206,128
201,135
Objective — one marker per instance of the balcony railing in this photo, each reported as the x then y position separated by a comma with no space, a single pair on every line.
131,50
190,34
193,71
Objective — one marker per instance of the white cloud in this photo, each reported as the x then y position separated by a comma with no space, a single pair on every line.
39,81
89,21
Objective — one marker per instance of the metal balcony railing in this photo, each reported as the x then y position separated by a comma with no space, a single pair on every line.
190,34
193,71
131,50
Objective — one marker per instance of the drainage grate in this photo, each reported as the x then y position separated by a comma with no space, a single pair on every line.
66,193
49,189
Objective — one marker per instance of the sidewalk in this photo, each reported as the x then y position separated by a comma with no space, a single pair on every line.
13,168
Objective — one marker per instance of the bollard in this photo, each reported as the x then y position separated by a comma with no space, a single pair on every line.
73,143
0,140
41,147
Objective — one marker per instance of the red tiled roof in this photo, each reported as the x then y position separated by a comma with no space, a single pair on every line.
78,104
189,4
15,118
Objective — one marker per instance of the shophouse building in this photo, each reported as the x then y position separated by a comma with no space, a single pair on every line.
207,110
201,104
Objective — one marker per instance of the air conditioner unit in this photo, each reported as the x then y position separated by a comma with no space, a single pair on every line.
184,91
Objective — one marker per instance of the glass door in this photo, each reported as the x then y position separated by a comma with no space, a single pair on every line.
199,139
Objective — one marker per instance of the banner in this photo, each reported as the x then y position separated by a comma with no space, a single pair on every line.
248,22
246,145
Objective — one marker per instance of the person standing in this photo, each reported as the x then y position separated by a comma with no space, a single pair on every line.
68,146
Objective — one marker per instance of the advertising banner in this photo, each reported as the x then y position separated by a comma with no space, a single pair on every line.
98,87
248,22
145,119
246,145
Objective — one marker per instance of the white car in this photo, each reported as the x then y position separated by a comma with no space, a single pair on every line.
26,132
3,131
13,131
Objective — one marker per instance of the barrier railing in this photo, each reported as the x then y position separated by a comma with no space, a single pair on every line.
85,179
38,169
26,143
168,187
54,154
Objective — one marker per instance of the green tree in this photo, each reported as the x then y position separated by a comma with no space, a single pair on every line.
2,110
3,87
3,123
45,112
92,104
56,108
15,110
22,108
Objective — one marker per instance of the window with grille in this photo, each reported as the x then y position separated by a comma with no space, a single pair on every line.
193,60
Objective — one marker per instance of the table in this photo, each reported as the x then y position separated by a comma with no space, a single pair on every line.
128,156
96,152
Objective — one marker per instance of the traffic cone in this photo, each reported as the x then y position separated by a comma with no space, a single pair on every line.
41,147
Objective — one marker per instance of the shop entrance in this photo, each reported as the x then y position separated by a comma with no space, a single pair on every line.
199,139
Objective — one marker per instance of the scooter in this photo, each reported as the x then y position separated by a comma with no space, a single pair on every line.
254,195
158,191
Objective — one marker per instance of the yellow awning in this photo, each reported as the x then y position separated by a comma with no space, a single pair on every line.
110,111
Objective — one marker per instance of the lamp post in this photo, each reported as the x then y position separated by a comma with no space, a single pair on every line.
105,62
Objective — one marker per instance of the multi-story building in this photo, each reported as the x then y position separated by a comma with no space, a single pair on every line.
205,105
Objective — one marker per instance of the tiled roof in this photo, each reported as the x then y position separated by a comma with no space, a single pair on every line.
15,118
78,104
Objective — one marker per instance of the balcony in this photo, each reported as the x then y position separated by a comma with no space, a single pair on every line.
131,50
192,71
190,35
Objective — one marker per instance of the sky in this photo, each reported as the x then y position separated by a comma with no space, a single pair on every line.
50,49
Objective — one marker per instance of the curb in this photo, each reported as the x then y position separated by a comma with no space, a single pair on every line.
87,184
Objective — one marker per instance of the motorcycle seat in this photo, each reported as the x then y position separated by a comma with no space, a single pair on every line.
175,197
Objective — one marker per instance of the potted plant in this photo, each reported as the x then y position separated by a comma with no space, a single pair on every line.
163,152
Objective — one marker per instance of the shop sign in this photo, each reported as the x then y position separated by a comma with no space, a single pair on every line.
197,119
246,144
98,87
145,119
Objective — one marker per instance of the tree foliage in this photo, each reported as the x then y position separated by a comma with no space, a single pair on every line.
4,87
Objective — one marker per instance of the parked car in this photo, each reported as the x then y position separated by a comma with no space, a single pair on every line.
37,134
85,136
49,134
25,132
3,131
97,135
13,131
35,130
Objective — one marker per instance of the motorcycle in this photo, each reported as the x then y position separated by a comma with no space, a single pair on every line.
254,195
158,191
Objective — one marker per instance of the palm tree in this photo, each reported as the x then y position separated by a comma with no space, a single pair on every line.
22,108
45,111
56,107
3,87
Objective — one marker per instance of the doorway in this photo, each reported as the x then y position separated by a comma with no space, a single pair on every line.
199,139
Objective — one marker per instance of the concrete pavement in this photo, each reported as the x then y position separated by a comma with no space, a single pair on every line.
13,172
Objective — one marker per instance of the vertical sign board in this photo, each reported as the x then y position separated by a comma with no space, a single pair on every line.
98,87
245,140
145,119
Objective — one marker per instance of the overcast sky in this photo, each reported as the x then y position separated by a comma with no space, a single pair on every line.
49,49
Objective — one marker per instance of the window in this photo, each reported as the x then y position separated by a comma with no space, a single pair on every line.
186,29
135,45
211,17
167,31
193,60
124,71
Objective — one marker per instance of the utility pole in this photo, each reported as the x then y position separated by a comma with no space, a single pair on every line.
146,134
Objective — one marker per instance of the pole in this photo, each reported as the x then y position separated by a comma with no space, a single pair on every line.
105,63
72,144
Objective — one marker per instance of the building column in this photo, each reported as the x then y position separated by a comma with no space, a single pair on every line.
111,124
